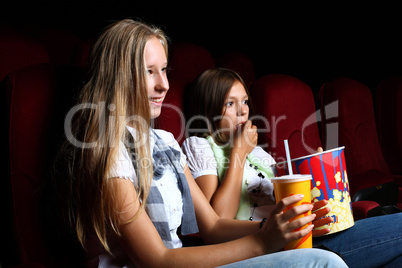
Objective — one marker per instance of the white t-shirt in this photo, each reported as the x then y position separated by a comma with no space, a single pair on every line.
201,161
168,187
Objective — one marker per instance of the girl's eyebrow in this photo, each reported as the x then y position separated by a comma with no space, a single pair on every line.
164,65
234,97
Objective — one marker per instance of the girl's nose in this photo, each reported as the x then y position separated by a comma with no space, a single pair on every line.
242,109
162,83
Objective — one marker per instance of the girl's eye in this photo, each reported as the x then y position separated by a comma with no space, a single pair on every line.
245,102
164,70
229,103
149,71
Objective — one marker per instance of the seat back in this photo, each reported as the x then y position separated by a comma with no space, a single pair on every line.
357,132
188,60
19,50
389,121
287,105
37,100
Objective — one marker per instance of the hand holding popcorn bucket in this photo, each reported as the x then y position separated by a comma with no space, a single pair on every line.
329,182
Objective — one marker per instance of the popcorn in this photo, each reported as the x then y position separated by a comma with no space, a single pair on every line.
315,193
341,211
330,182
338,177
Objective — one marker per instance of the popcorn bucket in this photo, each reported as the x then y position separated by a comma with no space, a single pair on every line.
330,182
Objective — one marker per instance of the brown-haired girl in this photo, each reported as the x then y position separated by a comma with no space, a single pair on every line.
234,173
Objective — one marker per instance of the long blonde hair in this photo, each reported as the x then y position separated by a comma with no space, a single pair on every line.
116,93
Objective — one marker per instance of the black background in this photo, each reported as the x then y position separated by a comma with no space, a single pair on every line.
313,42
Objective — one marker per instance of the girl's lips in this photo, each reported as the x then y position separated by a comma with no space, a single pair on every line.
240,124
156,101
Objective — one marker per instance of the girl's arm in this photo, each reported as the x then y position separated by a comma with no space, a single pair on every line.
144,246
225,198
276,232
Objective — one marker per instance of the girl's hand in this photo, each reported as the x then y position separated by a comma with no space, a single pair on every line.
320,211
246,138
277,231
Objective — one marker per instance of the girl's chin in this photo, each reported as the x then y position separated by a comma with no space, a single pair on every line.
155,112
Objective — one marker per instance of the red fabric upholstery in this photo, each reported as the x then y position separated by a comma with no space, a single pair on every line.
172,117
36,99
357,132
288,106
389,122
360,209
188,60
240,63
17,51
389,125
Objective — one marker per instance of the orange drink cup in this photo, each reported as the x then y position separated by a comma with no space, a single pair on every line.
292,185
329,182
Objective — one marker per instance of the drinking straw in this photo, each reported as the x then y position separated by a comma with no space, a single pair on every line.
288,157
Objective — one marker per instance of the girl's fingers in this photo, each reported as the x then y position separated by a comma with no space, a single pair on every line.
320,150
285,202
322,221
296,224
296,211
319,204
299,234
320,232
322,212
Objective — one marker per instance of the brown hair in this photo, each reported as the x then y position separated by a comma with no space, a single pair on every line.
207,98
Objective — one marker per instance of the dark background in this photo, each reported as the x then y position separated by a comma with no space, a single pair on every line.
311,42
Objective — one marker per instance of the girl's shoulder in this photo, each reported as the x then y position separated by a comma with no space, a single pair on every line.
196,143
123,166
262,154
168,138
200,157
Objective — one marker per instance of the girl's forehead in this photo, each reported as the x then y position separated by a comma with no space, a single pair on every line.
237,90
154,53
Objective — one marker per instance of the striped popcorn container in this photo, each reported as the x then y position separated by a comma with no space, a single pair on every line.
329,181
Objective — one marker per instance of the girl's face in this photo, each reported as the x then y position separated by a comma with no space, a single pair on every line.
157,82
235,110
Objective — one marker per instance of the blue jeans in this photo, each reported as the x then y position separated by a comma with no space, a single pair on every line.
293,258
371,242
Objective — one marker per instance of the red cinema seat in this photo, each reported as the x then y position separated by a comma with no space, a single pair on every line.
389,125
18,50
368,173
37,100
389,121
287,106
187,61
